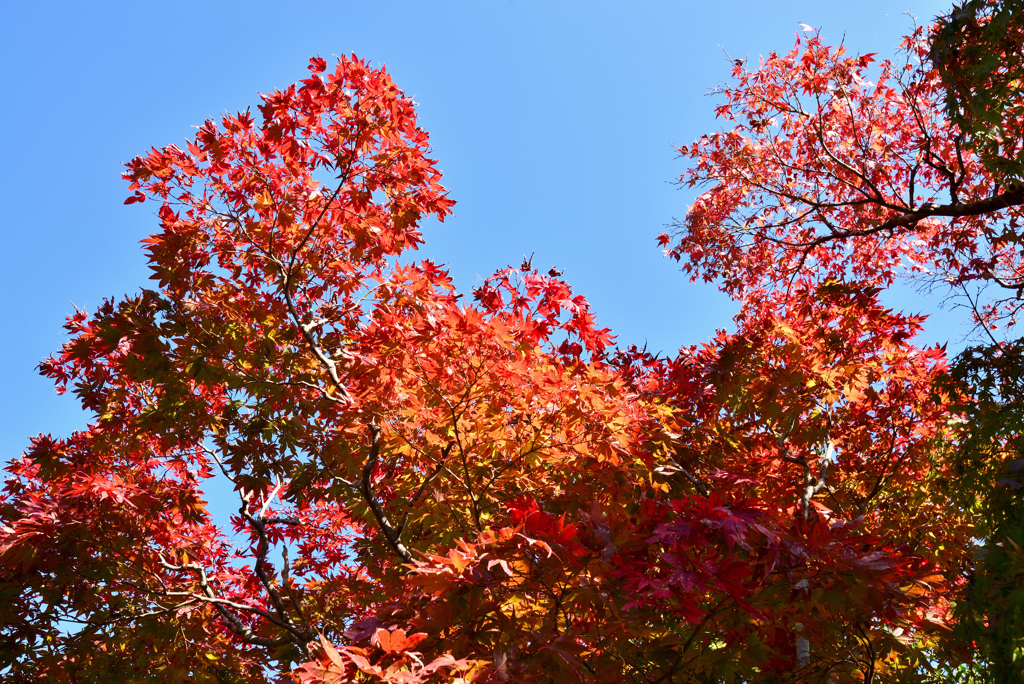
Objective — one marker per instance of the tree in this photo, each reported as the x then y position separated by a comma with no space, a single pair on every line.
977,51
829,179
989,467
436,490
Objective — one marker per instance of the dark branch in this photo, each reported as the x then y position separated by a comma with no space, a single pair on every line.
423,485
392,537
1011,198
301,633
221,605
675,467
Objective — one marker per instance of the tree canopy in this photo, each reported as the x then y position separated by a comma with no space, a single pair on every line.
433,487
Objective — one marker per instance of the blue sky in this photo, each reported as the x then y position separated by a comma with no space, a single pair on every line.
554,124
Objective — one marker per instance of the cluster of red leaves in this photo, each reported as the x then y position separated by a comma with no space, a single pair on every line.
834,170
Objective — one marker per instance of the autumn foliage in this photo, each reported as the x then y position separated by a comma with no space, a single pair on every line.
437,488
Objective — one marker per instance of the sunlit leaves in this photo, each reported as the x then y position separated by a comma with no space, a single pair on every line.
437,488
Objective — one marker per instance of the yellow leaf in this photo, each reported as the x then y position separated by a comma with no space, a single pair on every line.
262,200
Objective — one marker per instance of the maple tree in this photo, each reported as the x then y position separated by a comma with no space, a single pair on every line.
434,489
838,174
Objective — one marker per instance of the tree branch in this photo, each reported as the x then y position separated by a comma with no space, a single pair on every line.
675,467
221,605
260,525
423,485
392,537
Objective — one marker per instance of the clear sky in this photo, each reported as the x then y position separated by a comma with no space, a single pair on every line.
554,123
